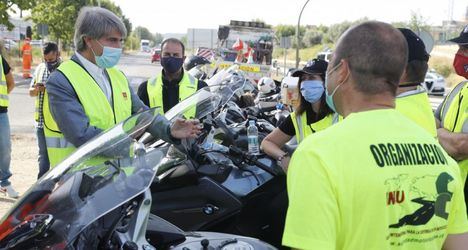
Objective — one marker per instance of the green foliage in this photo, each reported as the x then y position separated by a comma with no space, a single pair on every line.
158,38
312,37
305,54
143,33
334,31
60,16
282,30
417,22
442,65
7,5
184,40
132,42
400,24
110,5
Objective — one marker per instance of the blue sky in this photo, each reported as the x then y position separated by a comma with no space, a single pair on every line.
176,16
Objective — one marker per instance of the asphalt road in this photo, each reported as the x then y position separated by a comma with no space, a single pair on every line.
137,67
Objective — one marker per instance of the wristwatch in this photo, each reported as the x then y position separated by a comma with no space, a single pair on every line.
282,157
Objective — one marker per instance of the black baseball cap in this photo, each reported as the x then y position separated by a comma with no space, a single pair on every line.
462,39
416,47
314,66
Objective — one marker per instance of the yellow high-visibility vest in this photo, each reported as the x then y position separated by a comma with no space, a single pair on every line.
454,116
3,87
415,105
303,129
100,112
187,87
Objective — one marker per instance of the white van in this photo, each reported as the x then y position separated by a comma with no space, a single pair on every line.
325,55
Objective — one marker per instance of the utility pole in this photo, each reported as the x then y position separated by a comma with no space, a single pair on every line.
298,43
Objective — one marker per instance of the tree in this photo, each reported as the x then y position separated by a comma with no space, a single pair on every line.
417,22
132,42
184,40
334,31
7,5
115,9
144,33
312,37
60,16
400,24
283,30
158,38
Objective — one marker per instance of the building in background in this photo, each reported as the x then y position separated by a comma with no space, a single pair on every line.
448,29
206,38
18,32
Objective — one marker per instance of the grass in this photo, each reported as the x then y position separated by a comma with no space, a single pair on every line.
443,66
305,54
453,79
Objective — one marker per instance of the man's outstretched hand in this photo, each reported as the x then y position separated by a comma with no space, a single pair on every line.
182,129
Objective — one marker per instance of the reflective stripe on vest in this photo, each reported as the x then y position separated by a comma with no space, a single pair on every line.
58,142
303,129
454,116
3,87
415,105
95,104
187,87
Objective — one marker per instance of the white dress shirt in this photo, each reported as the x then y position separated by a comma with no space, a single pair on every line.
98,74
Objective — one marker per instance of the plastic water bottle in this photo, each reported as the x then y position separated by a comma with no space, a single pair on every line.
279,106
252,135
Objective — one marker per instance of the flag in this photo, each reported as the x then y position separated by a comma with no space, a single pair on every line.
206,53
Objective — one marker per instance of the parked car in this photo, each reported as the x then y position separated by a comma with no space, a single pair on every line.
9,44
325,55
156,55
434,83
36,43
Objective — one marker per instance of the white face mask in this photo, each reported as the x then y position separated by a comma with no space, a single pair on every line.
109,58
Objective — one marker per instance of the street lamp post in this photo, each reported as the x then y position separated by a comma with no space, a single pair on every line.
297,34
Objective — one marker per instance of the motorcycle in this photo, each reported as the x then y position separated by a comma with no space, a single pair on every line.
211,182
99,198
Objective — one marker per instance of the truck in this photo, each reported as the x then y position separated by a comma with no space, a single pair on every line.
145,45
255,35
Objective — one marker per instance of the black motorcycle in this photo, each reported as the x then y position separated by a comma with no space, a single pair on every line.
211,183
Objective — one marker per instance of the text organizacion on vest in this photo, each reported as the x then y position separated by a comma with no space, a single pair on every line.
403,154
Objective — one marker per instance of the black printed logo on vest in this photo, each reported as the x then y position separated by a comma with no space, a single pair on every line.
429,208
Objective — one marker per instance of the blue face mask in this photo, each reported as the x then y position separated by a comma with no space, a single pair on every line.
312,90
109,58
172,64
328,96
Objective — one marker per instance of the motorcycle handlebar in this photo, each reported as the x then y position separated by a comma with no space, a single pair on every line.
230,135
251,158
267,109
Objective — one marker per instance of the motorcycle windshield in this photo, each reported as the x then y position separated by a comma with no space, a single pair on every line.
100,176
222,87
